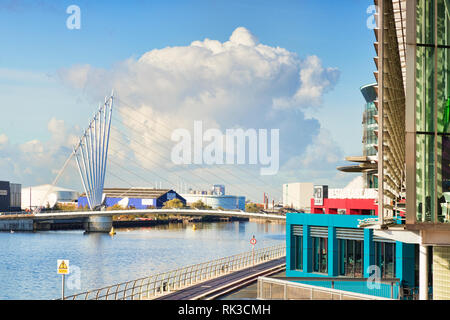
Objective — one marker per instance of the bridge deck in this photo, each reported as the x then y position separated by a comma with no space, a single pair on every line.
217,285
183,211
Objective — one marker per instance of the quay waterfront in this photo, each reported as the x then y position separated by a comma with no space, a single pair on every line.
28,259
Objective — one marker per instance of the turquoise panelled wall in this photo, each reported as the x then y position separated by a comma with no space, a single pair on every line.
307,248
332,252
368,251
405,261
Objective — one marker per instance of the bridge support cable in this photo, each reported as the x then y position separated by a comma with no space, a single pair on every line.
140,166
254,177
221,178
91,154
141,154
55,181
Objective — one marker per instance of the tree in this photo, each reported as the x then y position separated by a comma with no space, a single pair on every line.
115,207
200,205
174,203
251,207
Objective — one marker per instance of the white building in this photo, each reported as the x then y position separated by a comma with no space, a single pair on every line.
355,189
298,195
228,202
46,196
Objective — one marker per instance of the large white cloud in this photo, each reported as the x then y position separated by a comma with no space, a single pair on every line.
236,83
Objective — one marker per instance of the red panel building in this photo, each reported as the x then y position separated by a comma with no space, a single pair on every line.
351,206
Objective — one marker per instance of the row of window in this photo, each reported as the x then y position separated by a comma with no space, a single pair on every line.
350,256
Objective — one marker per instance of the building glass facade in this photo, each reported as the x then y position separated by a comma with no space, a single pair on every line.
350,258
319,255
370,126
385,258
297,242
432,111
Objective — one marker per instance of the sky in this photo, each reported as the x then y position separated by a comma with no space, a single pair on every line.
296,66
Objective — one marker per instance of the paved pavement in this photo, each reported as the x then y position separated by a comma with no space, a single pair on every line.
202,289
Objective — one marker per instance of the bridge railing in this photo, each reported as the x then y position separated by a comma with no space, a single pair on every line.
163,283
287,289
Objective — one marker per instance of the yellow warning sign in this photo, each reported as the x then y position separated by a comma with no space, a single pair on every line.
63,266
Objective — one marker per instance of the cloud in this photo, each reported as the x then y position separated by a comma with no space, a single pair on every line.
238,83
3,140
323,150
35,161
315,82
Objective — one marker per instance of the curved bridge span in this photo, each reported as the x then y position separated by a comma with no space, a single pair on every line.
187,212
101,221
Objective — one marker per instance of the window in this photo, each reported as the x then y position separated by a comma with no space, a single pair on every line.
432,111
385,258
297,252
350,258
319,254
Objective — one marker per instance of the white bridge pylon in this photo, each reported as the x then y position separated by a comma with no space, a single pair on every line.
91,153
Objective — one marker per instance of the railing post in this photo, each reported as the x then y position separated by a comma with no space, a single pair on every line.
125,291
117,291
392,290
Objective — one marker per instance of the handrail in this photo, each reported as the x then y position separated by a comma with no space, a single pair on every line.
308,291
343,279
163,283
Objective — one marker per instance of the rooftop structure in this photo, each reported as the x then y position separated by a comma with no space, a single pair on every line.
46,195
139,198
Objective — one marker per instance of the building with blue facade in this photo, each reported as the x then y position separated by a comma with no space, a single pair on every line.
228,202
333,246
138,198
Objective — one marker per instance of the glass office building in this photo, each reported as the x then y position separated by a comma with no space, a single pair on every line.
413,59
432,106
412,165
370,128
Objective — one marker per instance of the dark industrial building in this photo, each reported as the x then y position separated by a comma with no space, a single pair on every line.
138,198
10,196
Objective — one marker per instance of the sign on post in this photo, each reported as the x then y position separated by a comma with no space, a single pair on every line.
253,242
63,268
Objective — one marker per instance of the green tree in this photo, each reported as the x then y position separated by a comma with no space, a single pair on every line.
251,207
115,207
200,205
174,203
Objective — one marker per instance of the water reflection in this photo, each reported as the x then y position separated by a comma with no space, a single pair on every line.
28,260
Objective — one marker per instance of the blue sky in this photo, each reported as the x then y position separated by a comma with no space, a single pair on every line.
36,45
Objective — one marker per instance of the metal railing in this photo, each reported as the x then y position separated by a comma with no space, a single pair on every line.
163,283
278,289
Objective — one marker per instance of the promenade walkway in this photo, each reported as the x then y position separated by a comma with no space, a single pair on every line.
219,286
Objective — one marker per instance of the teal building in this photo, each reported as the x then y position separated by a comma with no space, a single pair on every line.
332,246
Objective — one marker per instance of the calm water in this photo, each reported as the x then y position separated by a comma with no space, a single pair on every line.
28,260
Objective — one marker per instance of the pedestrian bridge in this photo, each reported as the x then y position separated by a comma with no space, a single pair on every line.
101,221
